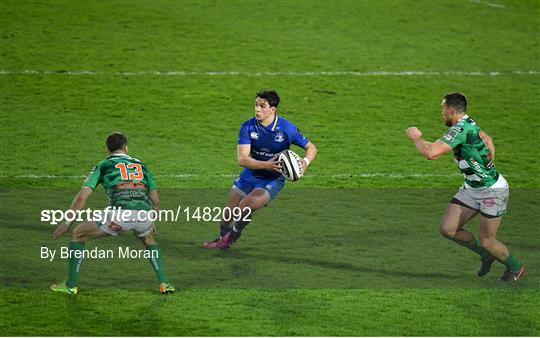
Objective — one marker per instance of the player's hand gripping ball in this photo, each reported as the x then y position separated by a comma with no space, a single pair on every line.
291,165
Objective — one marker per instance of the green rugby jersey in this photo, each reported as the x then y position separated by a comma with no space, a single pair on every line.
127,182
471,154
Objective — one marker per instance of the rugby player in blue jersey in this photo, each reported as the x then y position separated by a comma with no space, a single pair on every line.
260,141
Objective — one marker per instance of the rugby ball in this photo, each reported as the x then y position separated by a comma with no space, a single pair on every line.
291,165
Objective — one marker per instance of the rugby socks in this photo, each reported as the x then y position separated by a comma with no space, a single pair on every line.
240,225
223,228
156,260
75,261
512,263
475,246
237,230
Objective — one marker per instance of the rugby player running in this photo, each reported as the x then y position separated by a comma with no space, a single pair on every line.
260,140
129,186
484,192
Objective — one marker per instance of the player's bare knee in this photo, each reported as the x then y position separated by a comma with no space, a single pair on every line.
447,232
234,198
246,203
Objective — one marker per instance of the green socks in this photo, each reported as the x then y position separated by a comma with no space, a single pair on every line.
512,263
75,260
475,246
156,260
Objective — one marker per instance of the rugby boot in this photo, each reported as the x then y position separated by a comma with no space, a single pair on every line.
226,241
211,244
62,287
165,288
485,267
510,276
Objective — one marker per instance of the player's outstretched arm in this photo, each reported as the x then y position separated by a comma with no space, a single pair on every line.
429,150
311,153
78,203
245,160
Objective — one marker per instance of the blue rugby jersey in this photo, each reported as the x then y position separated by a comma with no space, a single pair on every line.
267,142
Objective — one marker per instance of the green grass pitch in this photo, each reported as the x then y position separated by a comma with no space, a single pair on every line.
352,248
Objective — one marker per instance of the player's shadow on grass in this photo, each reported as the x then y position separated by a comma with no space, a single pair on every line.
351,267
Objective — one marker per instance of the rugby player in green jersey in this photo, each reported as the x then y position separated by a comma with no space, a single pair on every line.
484,192
132,193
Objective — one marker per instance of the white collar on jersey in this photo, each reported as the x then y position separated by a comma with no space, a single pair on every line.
271,126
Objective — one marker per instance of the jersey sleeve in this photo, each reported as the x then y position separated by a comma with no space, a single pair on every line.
455,136
243,134
296,137
94,177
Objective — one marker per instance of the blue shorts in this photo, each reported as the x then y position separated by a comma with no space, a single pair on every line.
246,182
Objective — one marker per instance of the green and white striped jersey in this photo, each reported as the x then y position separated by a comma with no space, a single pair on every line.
127,182
471,154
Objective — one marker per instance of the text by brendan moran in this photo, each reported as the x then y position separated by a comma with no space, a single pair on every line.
121,252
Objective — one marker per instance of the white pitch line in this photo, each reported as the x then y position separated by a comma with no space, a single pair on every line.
259,74
183,175
192,175
490,4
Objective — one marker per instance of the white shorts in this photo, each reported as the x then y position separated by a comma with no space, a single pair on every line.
491,202
116,221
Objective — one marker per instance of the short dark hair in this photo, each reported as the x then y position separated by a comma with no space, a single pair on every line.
269,95
457,101
116,141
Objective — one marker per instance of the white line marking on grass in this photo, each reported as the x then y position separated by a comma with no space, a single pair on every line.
259,74
184,175
490,4
32,176
387,175
193,175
